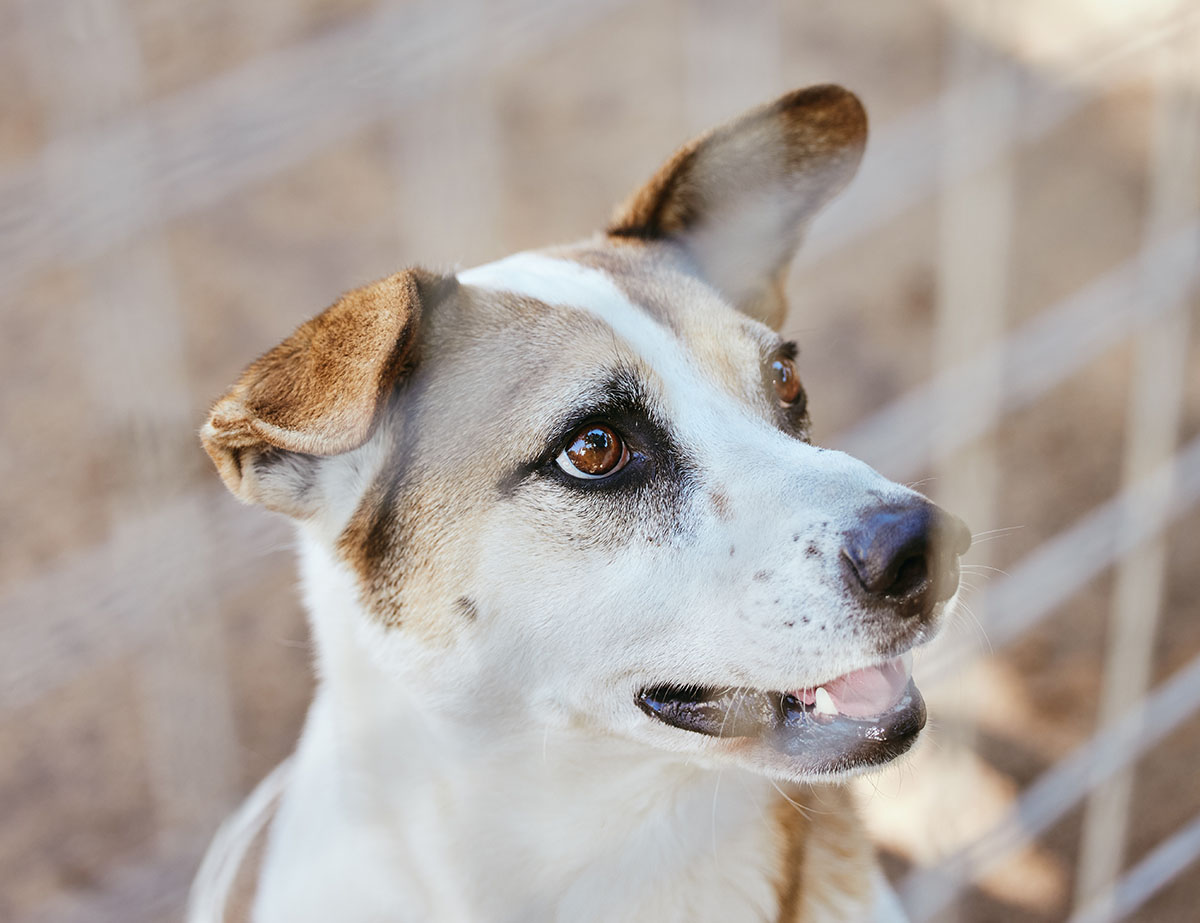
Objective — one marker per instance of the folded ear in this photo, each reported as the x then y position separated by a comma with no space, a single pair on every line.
738,198
318,393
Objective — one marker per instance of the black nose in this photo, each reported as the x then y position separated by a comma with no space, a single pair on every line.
908,555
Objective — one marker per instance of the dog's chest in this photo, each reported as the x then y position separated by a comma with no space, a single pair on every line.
533,844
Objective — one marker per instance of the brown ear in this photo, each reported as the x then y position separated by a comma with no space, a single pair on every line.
738,198
318,393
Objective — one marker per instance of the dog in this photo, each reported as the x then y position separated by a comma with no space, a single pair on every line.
598,629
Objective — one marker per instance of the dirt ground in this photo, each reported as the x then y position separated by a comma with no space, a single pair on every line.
183,183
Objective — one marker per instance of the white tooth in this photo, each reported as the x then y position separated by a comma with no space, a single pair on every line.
823,702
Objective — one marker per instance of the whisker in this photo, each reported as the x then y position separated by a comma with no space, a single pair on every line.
990,535
976,568
804,812
982,632
742,693
1003,530
758,802
713,818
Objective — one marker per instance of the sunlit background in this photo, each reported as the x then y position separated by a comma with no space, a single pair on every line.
1001,310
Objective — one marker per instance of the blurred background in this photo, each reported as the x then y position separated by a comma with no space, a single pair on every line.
1001,310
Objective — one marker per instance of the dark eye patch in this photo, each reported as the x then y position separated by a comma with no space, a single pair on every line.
621,403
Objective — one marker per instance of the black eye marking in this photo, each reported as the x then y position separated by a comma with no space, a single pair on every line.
620,404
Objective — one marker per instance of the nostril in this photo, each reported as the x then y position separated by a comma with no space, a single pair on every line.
910,576
888,550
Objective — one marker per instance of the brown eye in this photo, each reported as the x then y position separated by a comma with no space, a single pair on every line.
596,451
785,379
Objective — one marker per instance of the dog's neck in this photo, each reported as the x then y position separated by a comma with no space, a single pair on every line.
522,823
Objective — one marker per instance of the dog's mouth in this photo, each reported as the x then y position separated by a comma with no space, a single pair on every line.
853,721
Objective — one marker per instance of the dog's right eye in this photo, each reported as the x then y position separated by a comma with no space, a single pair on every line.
595,451
786,380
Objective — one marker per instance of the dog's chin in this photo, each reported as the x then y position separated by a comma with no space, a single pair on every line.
848,725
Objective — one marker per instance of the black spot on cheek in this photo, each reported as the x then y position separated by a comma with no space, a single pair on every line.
812,550
731,550
762,575
804,619
466,608
789,624
795,536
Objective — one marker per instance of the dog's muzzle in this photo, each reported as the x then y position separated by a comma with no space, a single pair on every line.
859,719
901,562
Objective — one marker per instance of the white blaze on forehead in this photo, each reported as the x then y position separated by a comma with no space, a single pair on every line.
703,414
565,283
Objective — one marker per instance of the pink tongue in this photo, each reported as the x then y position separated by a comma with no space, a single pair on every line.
869,692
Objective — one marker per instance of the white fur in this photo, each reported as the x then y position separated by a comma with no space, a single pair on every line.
508,776
395,810
778,487
696,406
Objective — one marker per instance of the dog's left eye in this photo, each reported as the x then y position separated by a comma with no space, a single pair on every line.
596,451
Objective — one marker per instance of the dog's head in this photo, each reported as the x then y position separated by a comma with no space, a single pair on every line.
576,486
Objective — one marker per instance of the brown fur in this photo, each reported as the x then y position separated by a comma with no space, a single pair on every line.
653,278
771,169
791,817
824,853
319,391
450,433
453,437
807,142
836,856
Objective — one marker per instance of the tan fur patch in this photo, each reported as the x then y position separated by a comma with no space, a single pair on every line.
809,141
642,273
724,344
826,858
751,184
793,825
320,390
496,371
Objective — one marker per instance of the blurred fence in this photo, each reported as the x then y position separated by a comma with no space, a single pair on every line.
181,183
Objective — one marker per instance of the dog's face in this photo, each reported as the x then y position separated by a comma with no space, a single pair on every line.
577,486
